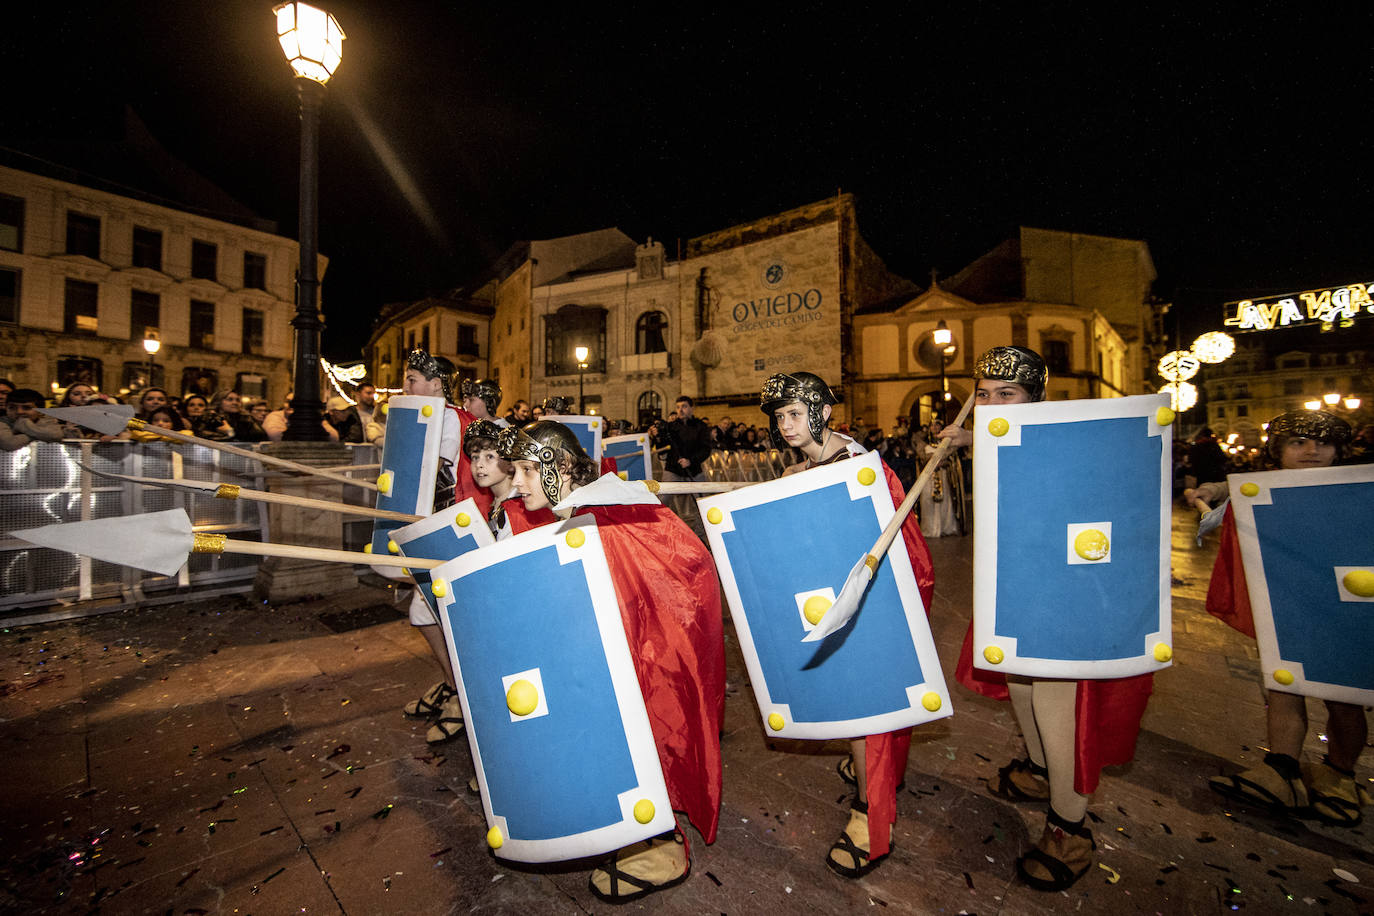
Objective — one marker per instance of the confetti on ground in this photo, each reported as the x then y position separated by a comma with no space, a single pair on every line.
1206,838
1345,875
968,879
713,878
1112,875
384,813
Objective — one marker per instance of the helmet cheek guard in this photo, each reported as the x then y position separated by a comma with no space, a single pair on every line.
543,442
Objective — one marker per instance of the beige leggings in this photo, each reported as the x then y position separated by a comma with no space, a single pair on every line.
1045,711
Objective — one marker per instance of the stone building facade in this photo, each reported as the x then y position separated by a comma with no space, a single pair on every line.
454,326
86,274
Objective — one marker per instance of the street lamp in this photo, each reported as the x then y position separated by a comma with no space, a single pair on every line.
943,338
152,342
581,354
313,44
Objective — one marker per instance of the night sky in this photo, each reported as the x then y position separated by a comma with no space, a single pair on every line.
1240,149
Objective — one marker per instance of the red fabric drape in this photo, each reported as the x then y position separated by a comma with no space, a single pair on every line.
1228,594
463,484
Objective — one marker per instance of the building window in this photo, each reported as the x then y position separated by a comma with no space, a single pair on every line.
1220,393
252,331
204,260
467,340
571,327
79,307
424,338
9,296
199,380
136,376
1242,410
410,341
1221,412
1242,391
1292,386
202,324
84,369
83,234
11,223
650,330
1057,357
648,408
144,314
466,373
147,248
254,270
251,385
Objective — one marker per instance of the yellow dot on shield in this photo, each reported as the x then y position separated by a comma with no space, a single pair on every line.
867,476
1164,416
1249,489
522,698
623,475
714,515
1283,676
427,411
641,440
384,483
367,548
494,838
1091,544
405,571
463,520
814,608
576,538
993,655
999,427
1162,652
392,547
1359,582
775,721
644,811
652,486
594,424
931,701
439,587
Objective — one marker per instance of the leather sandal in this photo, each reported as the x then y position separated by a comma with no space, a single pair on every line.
450,723
1264,787
1022,780
636,871
854,860
1335,796
432,703
1063,855
846,770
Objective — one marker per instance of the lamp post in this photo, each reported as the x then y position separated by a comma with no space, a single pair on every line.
943,338
152,342
313,44
581,354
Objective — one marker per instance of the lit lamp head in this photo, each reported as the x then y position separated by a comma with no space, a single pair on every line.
152,341
581,354
311,39
942,335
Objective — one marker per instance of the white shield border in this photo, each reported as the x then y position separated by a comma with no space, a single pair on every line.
592,422
923,642
1266,635
634,715
429,463
985,490
476,528
643,441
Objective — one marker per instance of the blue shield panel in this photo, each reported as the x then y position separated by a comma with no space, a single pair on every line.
1306,540
631,454
881,671
410,463
588,430
442,536
1071,545
555,719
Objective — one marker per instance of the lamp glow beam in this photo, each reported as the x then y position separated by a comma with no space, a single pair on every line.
581,354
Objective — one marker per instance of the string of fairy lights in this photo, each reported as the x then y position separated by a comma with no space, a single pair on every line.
1177,366
352,376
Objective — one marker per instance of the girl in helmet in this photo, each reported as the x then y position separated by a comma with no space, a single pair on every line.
1297,440
798,406
1072,728
669,601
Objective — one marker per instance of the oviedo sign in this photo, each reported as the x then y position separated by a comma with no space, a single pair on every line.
776,311
1331,308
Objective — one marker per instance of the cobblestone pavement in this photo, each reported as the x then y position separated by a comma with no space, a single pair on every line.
224,757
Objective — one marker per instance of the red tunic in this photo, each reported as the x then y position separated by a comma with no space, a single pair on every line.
522,519
1228,594
463,484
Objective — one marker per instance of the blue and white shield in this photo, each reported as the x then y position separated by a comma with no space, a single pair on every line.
557,725
1307,541
410,463
444,535
631,454
588,430
783,550
1071,542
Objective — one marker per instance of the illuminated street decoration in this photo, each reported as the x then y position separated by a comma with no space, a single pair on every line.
1179,365
1214,347
1182,395
350,375
1333,307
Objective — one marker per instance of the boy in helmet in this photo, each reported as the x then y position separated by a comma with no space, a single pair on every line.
669,599
798,406
1298,439
1072,728
481,398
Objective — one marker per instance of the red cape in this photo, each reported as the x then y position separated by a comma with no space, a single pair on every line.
1107,714
885,755
1228,594
463,484
670,605
522,519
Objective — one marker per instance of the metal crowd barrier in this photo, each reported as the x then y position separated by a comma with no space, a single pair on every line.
45,484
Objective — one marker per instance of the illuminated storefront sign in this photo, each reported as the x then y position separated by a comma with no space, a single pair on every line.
1331,308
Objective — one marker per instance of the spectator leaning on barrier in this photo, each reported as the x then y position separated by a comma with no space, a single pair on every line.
341,421
22,423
